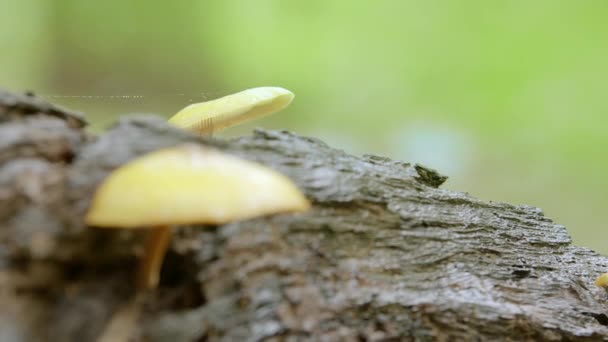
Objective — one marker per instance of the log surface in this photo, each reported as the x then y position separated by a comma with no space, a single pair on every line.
383,254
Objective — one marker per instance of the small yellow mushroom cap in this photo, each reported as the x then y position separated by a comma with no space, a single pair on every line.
191,184
602,280
215,115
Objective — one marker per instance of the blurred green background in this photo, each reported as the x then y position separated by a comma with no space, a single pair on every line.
508,98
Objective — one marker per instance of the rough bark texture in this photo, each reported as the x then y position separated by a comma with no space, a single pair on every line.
383,254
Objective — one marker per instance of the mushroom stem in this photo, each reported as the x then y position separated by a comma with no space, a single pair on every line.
155,248
123,322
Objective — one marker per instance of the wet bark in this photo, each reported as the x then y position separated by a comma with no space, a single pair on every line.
383,254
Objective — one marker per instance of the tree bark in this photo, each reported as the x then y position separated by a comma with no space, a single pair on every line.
384,254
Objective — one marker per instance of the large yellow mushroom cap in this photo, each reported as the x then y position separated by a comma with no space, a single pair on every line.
212,116
191,184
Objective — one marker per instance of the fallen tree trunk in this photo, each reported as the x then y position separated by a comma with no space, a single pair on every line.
383,254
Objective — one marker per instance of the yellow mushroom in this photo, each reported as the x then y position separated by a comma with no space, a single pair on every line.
602,281
212,116
183,185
